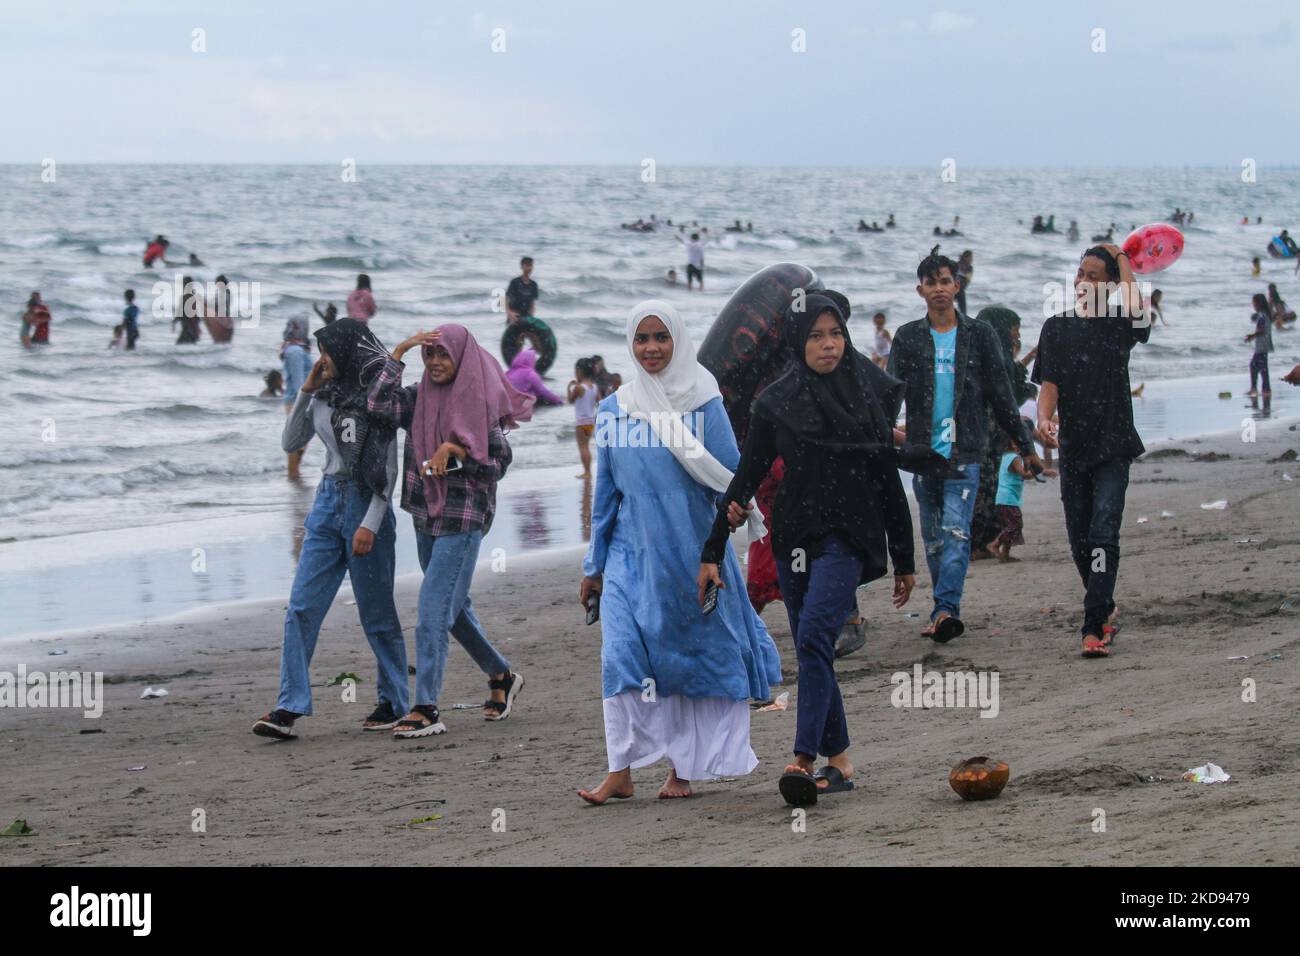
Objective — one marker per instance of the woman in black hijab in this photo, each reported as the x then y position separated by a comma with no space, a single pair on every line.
350,530
839,511
984,520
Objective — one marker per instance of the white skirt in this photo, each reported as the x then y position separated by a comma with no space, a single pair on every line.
702,737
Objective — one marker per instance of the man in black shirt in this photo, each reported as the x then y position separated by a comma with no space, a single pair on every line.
1082,366
522,293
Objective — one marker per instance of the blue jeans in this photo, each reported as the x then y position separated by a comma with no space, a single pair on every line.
1094,509
946,507
815,600
448,565
297,365
326,556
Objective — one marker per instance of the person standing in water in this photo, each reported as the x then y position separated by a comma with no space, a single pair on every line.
522,293
295,358
130,319
350,530
1263,339
694,260
188,313
456,452
36,318
1082,370
361,303
664,455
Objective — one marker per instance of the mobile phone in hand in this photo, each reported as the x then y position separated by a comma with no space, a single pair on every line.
710,599
453,464
593,608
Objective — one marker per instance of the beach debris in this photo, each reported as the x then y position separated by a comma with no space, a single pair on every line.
913,614
57,653
340,678
1240,657
17,828
465,706
1244,541
1273,657
151,692
1166,514
1220,505
416,823
1225,395
1143,519
92,730
979,778
781,703
1210,773
136,769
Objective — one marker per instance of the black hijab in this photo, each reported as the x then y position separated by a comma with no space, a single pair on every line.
362,439
852,408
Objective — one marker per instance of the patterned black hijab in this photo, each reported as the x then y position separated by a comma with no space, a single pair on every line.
362,439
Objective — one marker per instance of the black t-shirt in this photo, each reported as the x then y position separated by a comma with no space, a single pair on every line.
521,295
1087,360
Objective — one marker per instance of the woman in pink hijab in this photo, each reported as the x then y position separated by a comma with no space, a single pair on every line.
456,452
523,376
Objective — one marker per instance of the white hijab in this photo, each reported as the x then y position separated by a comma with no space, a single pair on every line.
663,397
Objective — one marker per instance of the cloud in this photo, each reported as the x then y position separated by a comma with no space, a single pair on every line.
946,21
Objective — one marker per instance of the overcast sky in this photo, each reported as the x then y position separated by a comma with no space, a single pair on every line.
1013,83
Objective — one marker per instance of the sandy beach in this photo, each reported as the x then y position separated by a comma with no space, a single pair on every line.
1196,588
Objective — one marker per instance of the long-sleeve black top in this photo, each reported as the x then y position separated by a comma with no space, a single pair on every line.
824,491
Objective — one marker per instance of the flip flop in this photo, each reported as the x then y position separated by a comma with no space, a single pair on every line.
1094,646
798,787
947,629
836,782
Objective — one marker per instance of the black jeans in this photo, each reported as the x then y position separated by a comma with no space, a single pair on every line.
1094,508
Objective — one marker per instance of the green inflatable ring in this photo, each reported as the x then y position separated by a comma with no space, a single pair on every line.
531,331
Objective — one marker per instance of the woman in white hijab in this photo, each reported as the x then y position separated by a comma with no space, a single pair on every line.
676,682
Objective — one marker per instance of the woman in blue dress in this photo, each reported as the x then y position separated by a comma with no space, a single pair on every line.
676,682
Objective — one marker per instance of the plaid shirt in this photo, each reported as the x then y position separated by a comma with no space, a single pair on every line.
471,497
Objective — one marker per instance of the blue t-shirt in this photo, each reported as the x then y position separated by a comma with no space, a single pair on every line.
942,426
130,314
1011,487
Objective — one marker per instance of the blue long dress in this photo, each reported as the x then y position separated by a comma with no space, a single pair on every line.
649,519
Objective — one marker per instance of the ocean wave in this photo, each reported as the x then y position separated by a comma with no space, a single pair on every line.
352,263
52,454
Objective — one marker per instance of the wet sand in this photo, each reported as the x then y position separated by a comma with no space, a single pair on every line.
1081,736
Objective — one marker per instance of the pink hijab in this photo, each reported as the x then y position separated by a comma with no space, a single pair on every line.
465,409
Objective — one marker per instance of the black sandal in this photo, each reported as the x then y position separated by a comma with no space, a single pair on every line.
799,788
836,782
947,629
430,725
512,684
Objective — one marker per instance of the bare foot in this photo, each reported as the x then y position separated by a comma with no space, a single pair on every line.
674,786
585,474
616,786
